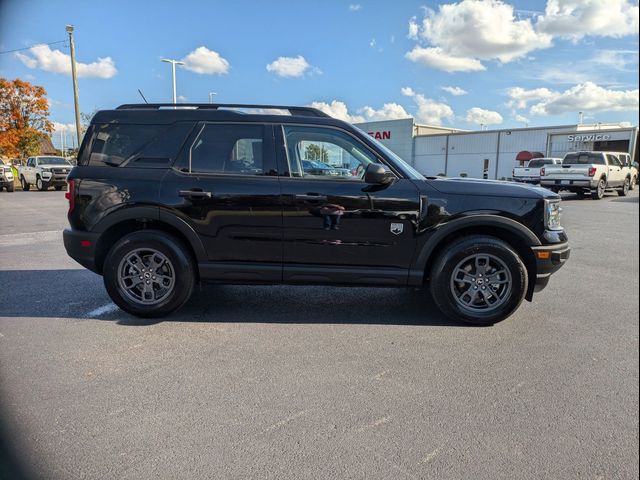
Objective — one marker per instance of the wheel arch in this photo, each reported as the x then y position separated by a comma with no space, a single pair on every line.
118,224
513,233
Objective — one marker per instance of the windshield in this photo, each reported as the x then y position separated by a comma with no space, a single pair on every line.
404,166
52,161
583,159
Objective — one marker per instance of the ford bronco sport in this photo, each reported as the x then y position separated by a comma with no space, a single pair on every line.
164,197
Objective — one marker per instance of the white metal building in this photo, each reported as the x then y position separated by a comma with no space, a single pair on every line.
493,153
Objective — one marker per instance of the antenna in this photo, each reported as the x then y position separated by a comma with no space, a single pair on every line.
140,92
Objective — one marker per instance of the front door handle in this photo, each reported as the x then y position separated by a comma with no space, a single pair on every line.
194,194
312,196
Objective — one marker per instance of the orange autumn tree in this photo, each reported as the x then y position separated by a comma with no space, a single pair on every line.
24,118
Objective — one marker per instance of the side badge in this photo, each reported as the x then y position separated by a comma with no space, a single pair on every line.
396,228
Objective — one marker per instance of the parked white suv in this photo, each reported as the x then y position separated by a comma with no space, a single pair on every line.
6,177
594,172
44,172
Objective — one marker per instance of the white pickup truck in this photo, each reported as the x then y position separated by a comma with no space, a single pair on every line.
594,172
44,172
531,173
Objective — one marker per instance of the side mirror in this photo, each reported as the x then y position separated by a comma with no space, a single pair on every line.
377,174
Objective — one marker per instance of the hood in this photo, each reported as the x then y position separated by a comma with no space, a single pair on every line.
489,188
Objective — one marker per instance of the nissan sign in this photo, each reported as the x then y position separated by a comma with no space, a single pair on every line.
590,137
381,135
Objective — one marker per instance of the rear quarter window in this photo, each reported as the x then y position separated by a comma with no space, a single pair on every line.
136,145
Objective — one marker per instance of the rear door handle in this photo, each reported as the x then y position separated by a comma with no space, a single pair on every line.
194,194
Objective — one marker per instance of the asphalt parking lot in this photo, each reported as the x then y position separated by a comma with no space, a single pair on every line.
318,382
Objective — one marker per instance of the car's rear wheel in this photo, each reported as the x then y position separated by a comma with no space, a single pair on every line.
479,279
25,185
625,188
149,273
598,192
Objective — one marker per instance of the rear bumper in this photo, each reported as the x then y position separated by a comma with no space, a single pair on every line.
533,180
568,183
81,246
549,259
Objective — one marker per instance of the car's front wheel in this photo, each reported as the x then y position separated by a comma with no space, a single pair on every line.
478,279
149,273
40,185
632,185
24,184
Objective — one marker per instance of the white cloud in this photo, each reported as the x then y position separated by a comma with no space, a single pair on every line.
616,59
389,111
372,43
480,116
575,19
429,111
520,97
437,58
460,35
521,119
63,127
206,62
354,7
43,58
455,91
182,98
407,91
290,66
337,109
588,97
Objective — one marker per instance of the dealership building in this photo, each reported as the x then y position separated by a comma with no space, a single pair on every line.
494,153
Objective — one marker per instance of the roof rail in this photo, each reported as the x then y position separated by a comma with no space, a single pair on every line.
302,111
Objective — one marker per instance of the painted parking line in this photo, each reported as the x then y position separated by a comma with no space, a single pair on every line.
108,308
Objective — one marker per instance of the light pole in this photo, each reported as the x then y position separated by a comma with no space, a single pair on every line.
62,140
211,94
69,29
173,73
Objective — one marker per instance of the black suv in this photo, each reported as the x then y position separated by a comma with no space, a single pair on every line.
166,196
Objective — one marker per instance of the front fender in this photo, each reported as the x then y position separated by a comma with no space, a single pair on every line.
443,230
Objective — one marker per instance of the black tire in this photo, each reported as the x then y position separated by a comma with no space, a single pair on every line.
181,266
625,188
58,188
25,185
10,187
443,284
41,185
634,182
598,192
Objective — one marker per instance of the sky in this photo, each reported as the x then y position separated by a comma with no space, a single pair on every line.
469,64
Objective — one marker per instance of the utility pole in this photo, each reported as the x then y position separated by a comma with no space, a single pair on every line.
211,94
69,29
173,74
62,141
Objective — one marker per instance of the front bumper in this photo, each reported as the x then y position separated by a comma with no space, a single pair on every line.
55,179
81,246
549,259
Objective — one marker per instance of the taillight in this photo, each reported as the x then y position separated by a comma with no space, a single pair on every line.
542,170
592,171
71,194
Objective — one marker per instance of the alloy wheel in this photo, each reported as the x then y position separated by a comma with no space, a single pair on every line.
146,276
481,283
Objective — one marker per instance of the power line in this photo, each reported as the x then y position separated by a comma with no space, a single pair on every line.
28,48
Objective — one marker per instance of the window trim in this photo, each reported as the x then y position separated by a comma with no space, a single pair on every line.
380,158
265,139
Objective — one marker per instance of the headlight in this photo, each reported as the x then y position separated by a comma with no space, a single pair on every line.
552,213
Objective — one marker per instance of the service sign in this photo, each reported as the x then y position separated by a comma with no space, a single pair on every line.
589,137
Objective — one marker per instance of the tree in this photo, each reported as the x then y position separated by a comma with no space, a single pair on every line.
24,118
316,152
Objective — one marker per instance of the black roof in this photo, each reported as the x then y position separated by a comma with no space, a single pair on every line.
165,113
